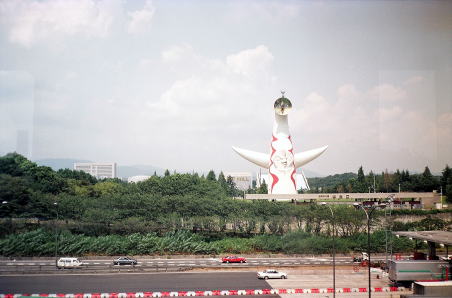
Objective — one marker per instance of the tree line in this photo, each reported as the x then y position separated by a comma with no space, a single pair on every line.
173,207
385,182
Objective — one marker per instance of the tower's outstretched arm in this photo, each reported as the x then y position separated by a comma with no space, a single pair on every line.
303,158
260,159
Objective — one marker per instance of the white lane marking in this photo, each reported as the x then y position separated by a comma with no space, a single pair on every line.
96,263
149,262
42,264
277,263
106,263
171,262
286,263
297,263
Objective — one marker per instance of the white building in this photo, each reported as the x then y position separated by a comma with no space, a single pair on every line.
242,180
99,170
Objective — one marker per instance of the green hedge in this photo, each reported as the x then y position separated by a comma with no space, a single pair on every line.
41,242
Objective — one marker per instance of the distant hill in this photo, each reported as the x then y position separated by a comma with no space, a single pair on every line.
310,174
59,163
123,171
128,171
330,181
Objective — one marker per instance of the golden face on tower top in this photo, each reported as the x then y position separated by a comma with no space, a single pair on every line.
282,106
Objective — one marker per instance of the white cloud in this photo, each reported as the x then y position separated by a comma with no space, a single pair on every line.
414,80
376,122
268,11
140,20
212,92
176,53
31,21
250,62
388,92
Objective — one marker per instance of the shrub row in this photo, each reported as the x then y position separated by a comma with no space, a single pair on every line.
42,242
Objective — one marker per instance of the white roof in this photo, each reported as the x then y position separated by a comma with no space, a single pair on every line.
138,178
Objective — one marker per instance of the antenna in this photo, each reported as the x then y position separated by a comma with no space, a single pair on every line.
282,93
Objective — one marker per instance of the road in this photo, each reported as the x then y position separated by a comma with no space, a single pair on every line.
107,283
197,262
105,264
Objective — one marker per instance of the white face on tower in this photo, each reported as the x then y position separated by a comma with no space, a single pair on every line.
282,106
283,160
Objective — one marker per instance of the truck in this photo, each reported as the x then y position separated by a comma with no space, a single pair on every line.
407,271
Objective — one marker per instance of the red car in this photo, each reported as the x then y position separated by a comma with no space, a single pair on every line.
233,259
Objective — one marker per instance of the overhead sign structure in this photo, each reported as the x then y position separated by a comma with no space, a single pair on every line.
281,163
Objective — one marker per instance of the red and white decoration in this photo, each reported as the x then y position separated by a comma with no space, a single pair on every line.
210,293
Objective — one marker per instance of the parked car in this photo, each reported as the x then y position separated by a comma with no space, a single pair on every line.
271,273
125,261
68,263
233,259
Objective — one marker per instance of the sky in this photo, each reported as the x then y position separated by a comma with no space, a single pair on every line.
175,84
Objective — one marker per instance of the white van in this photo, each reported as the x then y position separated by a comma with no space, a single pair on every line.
68,263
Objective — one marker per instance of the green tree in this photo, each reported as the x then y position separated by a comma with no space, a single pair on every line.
262,189
231,188
211,176
426,181
222,181
167,173
446,182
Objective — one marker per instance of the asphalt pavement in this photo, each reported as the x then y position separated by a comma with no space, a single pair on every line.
108,283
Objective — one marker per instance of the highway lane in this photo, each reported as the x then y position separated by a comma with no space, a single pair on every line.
197,262
108,283
147,264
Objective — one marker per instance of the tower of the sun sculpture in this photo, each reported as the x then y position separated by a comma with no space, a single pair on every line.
281,163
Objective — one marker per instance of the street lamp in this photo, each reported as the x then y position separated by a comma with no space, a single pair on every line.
56,235
9,229
368,215
334,249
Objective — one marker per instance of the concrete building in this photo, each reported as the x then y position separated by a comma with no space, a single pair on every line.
100,170
242,180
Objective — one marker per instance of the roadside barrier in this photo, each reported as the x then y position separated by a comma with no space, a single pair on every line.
248,292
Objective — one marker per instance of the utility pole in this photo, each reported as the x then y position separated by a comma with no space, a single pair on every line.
374,185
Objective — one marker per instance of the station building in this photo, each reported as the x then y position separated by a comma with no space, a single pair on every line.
398,200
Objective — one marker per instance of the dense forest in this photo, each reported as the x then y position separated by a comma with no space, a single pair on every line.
383,182
182,213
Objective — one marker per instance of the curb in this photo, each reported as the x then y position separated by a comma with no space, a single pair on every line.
210,293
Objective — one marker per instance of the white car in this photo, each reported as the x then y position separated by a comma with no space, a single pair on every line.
68,263
271,273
